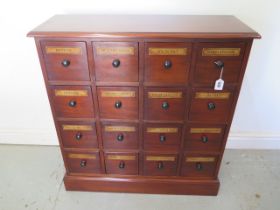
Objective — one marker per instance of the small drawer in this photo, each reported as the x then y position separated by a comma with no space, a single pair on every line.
199,165
121,163
78,134
72,101
83,162
160,164
162,136
210,57
167,62
118,102
201,137
116,61
164,104
120,135
66,60
210,106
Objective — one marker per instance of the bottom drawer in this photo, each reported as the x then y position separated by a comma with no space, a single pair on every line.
199,165
160,164
121,163
83,162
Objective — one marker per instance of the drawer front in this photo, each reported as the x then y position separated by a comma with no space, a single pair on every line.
118,102
121,163
210,106
162,136
164,103
116,61
199,165
78,134
72,101
204,137
120,135
206,72
160,164
66,60
167,62
81,162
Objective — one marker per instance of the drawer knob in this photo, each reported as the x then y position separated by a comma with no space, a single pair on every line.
122,165
118,104
72,103
204,139
220,64
120,137
211,106
162,138
165,105
116,63
167,64
83,163
65,63
198,166
160,165
79,136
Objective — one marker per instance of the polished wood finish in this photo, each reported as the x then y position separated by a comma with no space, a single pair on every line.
78,134
127,56
133,98
155,69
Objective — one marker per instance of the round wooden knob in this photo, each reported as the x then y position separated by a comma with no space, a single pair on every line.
165,105
120,137
162,138
65,63
118,104
116,63
83,163
204,139
167,64
72,103
122,165
211,106
78,136
198,166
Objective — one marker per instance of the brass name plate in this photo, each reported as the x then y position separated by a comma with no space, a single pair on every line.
80,156
165,94
115,50
122,94
120,128
64,50
200,159
221,51
168,51
121,157
71,93
160,158
162,130
205,130
77,127
207,95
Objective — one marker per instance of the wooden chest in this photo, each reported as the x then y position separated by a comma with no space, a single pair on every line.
135,99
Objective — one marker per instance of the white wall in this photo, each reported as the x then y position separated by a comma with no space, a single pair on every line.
25,116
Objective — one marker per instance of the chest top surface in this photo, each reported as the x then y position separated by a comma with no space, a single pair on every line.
171,26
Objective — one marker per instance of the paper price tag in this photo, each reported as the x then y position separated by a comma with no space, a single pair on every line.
219,84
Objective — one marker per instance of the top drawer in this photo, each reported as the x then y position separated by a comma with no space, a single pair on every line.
167,62
209,55
116,61
66,60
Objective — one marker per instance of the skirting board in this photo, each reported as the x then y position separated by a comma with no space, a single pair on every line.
242,140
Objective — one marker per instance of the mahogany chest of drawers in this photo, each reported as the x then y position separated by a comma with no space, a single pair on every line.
135,99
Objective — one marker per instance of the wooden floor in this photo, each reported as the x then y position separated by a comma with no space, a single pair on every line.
31,178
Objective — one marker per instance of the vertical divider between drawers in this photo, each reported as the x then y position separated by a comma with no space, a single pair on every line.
95,102
141,64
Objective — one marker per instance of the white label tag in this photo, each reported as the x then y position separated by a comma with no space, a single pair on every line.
219,84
